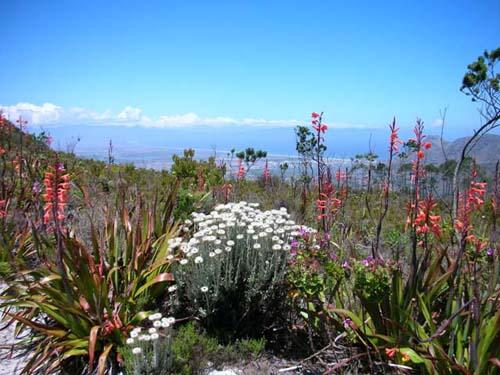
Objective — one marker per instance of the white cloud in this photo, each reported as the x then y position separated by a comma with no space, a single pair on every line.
51,114
130,114
437,122
47,113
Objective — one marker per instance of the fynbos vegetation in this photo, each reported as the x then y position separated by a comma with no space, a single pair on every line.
108,269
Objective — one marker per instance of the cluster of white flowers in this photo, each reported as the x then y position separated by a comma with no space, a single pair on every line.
236,223
139,335
236,241
149,348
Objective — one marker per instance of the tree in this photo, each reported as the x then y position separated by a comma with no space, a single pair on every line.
250,156
482,83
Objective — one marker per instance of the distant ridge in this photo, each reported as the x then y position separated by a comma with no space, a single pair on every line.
486,151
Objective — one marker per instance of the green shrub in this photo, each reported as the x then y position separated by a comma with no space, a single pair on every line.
191,350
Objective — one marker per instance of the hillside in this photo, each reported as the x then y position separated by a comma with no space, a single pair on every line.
486,151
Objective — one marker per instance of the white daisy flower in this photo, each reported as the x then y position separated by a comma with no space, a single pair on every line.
154,317
137,350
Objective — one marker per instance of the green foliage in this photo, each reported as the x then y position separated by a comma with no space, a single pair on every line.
305,141
250,348
371,280
480,75
315,278
192,350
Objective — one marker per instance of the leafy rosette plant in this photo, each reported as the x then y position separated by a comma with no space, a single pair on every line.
233,263
76,319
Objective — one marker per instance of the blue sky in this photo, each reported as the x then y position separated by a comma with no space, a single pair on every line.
249,63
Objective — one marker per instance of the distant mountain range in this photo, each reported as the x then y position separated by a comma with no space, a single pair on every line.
486,151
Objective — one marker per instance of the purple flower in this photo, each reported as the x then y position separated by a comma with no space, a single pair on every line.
346,265
367,261
490,252
294,244
347,323
37,187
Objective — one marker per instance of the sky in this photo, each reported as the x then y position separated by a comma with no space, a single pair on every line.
252,64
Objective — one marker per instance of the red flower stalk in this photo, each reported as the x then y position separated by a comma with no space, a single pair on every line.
56,194
339,175
470,200
317,123
200,181
394,140
227,188
3,212
425,222
419,145
241,171
328,205
266,175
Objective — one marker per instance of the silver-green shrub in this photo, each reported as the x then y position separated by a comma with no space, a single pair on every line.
235,250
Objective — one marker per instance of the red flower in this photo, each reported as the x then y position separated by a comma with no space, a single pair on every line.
394,141
266,175
241,171
391,352
321,128
321,204
56,193
314,115
420,154
427,145
2,208
339,175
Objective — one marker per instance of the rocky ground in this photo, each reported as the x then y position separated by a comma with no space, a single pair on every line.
10,363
